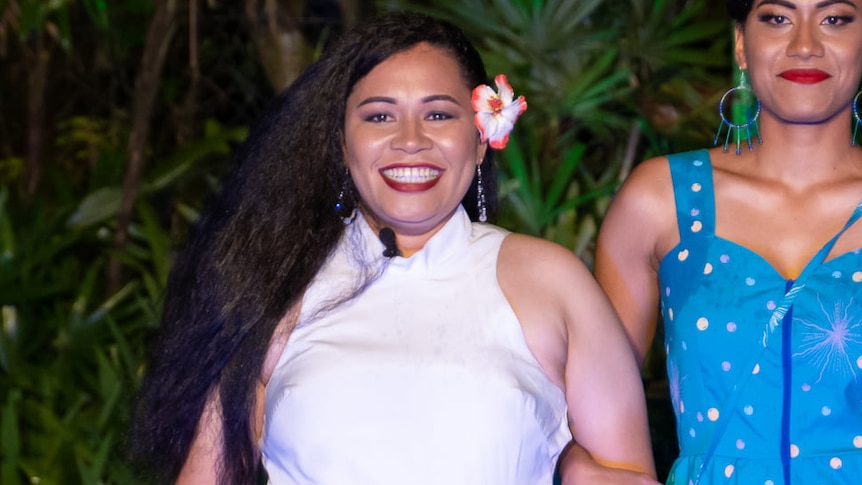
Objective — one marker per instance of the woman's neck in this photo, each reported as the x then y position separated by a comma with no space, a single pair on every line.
799,155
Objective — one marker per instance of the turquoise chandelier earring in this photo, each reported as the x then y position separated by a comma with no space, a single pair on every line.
739,110
856,117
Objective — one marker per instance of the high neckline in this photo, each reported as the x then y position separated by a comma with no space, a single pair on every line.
444,245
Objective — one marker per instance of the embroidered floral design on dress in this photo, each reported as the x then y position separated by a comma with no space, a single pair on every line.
828,340
496,112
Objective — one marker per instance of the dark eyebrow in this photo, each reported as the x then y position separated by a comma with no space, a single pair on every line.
827,3
426,99
781,3
376,99
792,6
439,97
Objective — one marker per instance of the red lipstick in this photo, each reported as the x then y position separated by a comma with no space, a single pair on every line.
411,178
805,76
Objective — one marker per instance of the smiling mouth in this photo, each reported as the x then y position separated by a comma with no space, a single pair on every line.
411,179
411,175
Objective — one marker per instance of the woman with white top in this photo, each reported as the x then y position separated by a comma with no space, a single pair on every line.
341,317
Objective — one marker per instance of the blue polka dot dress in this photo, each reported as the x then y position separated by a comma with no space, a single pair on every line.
766,391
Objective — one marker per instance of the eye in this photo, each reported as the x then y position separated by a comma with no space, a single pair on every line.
774,19
378,118
439,116
838,20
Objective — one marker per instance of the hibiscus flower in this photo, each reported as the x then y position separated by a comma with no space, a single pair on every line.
496,112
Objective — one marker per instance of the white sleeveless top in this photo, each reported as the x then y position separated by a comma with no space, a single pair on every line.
424,378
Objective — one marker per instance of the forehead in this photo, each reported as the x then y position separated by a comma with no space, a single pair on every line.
420,65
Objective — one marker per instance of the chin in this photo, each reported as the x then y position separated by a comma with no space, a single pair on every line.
806,117
415,222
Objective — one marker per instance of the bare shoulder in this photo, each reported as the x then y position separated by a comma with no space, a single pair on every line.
642,214
544,280
538,261
648,185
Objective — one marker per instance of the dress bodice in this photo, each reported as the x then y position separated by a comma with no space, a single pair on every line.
757,403
424,377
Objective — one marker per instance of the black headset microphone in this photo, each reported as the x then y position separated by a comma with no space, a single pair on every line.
387,237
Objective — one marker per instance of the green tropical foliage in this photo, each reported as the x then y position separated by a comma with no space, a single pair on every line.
68,354
609,82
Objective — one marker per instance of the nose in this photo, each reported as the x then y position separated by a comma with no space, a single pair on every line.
410,136
805,42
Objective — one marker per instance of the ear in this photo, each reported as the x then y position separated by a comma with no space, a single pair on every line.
739,46
481,148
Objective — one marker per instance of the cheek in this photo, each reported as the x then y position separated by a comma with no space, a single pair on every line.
758,73
361,148
753,56
462,145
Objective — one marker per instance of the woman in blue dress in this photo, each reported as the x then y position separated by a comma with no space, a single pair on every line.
752,257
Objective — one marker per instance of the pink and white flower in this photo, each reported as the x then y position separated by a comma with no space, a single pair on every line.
496,112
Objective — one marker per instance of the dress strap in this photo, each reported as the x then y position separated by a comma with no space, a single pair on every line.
691,174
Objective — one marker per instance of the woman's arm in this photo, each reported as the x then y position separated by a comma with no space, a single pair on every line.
577,467
640,225
572,330
604,392
202,466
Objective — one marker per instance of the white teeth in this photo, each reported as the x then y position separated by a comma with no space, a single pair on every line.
411,175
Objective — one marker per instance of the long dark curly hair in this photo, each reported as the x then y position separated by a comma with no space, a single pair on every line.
259,244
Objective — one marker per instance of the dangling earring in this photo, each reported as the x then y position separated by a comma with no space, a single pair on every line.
750,118
480,195
344,198
858,118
